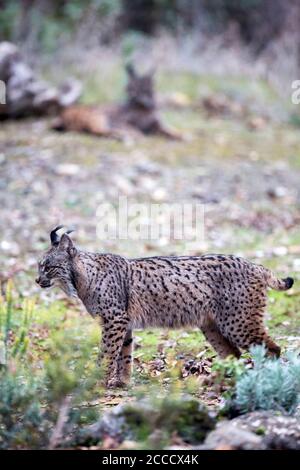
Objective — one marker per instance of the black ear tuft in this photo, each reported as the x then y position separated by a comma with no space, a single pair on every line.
54,238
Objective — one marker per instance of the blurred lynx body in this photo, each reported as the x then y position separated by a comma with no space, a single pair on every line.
138,113
223,295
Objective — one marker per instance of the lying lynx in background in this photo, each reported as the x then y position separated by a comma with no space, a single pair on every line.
225,296
138,113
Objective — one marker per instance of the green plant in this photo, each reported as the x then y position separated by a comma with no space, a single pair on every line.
272,384
227,371
20,410
180,414
14,327
49,22
68,368
10,13
43,377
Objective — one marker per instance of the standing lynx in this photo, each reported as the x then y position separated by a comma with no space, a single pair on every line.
223,295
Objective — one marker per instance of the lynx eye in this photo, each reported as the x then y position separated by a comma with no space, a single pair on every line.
47,267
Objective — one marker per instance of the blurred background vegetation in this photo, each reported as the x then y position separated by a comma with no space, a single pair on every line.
43,21
260,32
224,73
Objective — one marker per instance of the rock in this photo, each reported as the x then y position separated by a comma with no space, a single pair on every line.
69,92
279,431
156,439
67,169
9,54
187,417
111,424
229,436
26,94
256,431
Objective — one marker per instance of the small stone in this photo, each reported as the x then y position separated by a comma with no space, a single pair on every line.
277,192
10,247
123,185
163,241
280,250
159,194
296,264
259,254
67,169
146,183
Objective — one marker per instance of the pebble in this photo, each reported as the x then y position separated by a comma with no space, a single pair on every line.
280,250
159,194
10,247
123,185
67,169
296,264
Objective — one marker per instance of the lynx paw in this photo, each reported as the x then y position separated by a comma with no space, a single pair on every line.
115,382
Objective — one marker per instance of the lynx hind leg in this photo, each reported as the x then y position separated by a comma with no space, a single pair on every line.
272,348
221,344
248,329
125,359
257,336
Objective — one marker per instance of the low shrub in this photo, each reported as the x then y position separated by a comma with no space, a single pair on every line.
272,384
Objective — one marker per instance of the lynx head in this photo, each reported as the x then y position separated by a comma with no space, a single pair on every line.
55,267
140,89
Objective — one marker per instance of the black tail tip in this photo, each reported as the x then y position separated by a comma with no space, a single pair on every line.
289,281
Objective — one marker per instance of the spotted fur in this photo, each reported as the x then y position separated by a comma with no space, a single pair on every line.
223,295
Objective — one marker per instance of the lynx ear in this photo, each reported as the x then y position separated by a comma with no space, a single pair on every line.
54,238
66,244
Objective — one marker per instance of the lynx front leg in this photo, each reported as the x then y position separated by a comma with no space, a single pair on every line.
113,336
164,131
125,359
